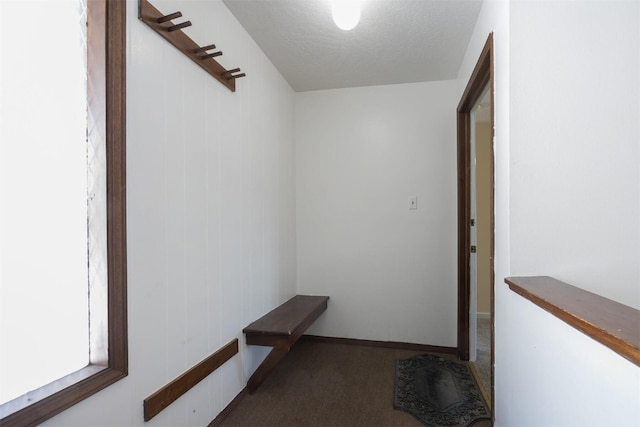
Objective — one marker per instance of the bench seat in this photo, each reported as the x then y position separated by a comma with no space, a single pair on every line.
280,329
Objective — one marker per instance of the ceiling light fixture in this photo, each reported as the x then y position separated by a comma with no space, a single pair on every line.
346,13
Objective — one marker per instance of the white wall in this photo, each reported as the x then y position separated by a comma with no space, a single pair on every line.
552,375
575,133
211,216
567,200
555,376
575,204
360,154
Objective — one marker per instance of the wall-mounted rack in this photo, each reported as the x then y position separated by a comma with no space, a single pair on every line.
163,25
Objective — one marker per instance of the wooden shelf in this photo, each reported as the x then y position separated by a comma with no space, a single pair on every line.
163,25
615,325
287,321
280,329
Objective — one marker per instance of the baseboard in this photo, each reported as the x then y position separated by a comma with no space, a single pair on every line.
217,421
484,315
385,344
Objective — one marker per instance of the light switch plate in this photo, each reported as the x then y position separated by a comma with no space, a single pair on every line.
413,203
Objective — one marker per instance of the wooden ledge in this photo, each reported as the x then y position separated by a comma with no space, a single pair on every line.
287,322
280,329
615,325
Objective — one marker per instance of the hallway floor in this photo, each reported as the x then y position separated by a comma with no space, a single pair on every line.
482,365
323,384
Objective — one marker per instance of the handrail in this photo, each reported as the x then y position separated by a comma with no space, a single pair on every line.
615,325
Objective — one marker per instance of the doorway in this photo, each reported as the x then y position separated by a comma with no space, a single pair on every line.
480,84
481,150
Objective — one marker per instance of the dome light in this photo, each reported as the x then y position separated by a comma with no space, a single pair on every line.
346,13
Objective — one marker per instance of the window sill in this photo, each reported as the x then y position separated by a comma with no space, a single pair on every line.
37,406
614,325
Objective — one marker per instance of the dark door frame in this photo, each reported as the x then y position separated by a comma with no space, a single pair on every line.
482,76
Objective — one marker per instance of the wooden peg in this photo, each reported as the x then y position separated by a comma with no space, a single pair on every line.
226,73
169,17
168,27
179,26
204,48
211,55
236,76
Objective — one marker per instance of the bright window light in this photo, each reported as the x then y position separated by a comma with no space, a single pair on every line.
44,243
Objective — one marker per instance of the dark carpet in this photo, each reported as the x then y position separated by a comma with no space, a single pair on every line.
438,391
322,384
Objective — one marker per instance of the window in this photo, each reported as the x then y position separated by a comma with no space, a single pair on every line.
102,338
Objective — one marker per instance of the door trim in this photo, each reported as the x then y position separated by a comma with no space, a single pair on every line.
483,75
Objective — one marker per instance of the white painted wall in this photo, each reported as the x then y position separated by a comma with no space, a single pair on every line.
567,200
575,204
575,133
211,216
552,375
360,154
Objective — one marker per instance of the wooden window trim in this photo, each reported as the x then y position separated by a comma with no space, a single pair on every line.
37,406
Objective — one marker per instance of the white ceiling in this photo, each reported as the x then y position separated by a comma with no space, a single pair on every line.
396,41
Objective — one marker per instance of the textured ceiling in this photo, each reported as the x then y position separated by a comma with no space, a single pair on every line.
396,41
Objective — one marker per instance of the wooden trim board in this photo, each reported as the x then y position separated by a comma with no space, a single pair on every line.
612,324
217,421
384,344
162,398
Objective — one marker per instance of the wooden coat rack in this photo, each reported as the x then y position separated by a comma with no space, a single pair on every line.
163,25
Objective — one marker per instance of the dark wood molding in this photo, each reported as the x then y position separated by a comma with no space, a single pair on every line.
217,421
482,75
280,329
464,218
168,394
116,33
41,404
109,50
382,344
612,324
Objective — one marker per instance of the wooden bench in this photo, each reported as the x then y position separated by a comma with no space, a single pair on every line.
280,329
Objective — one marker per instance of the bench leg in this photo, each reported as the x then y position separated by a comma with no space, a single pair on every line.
266,367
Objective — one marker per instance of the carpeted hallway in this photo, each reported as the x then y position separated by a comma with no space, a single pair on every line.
322,384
